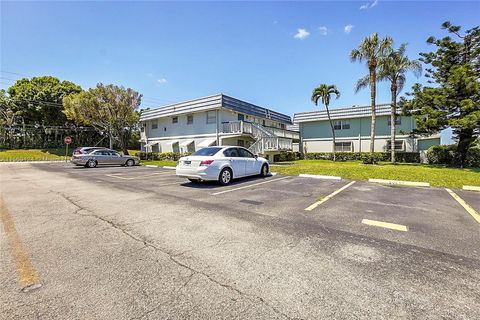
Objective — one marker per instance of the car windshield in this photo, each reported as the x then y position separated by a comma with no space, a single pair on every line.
210,151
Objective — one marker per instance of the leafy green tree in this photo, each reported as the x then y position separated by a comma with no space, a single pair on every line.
323,93
371,50
39,100
108,108
454,100
393,68
7,118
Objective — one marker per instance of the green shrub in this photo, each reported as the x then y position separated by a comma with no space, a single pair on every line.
473,157
369,158
168,156
286,156
448,155
411,157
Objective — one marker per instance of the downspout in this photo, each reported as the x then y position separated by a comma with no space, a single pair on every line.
218,129
360,137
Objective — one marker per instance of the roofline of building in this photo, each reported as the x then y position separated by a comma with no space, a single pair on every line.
213,102
341,113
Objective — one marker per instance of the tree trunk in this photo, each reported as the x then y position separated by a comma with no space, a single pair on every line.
465,140
333,132
393,117
373,93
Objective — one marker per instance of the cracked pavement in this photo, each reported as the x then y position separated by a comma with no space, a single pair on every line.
150,249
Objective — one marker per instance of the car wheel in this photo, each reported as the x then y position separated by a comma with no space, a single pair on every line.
194,180
130,163
225,176
91,164
264,171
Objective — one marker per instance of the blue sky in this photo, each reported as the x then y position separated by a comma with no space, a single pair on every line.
268,53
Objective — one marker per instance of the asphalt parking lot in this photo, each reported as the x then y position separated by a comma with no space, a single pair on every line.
140,243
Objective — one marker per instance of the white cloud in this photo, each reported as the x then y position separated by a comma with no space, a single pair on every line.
162,81
348,28
323,30
369,5
301,34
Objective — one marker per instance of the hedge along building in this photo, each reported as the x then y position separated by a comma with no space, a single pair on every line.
352,131
216,120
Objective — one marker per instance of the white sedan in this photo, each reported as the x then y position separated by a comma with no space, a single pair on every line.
221,164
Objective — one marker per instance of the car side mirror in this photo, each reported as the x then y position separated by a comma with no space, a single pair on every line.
256,156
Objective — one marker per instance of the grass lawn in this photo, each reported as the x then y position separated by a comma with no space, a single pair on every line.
159,163
33,154
435,175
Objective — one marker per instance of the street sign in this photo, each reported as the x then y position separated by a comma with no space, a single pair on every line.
68,140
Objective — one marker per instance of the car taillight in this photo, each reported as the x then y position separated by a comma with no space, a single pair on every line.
206,163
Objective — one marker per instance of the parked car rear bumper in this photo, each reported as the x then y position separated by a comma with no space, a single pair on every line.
201,173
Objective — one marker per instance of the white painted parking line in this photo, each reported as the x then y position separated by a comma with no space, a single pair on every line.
471,188
387,225
400,183
249,186
139,177
331,195
316,176
465,205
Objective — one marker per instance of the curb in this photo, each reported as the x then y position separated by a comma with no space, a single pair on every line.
169,167
471,188
33,161
401,183
151,166
315,176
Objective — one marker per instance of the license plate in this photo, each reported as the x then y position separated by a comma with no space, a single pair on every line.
187,163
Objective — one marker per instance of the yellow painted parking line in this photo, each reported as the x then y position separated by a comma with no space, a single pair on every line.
331,195
26,272
249,186
465,205
387,225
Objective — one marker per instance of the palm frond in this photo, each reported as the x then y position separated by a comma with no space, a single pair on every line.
362,83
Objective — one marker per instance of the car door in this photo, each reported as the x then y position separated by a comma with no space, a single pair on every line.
236,162
250,162
115,158
98,155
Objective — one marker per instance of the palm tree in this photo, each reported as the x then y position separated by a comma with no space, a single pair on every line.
393,68
371,49
323,92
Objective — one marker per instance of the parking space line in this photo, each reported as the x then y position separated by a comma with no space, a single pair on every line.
465,205
26,272
138,177
387,225
331,195
250,185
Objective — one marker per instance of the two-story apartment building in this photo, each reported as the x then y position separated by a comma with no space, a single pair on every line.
352,131
216,120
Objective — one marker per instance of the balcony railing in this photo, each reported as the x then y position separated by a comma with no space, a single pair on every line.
257,130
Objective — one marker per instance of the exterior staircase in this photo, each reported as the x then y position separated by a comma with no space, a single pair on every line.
267,139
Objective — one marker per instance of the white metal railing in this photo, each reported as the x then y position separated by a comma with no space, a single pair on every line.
271,144
268,139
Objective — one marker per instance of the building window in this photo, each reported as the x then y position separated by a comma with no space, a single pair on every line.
344,146
263,123
240,117
211,117
341,125
175,120
282,125
154,125
241,143
190,119
398,121
399,145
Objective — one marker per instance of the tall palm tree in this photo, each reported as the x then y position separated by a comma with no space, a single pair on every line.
323,93
370,50
393,68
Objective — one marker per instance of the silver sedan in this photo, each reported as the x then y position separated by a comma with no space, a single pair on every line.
103,157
